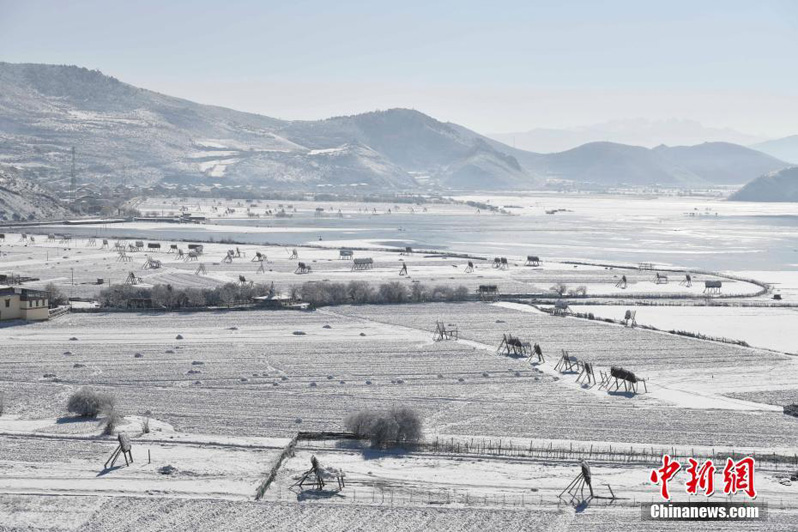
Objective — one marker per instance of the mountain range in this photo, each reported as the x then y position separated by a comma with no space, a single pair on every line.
634,131
123,133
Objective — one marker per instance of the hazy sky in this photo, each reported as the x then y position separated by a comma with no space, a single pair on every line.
492,66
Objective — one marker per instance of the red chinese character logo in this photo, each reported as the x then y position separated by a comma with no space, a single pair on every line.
664,474
702,478
739,476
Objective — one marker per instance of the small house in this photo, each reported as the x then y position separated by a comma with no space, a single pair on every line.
23,304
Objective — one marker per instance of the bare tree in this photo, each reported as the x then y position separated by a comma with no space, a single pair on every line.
418,292
88,403
394,292
145,424
360,423
392,427
460,293
383,431
56,296
194,297
111,420
578,291
408,423
559,289
360,291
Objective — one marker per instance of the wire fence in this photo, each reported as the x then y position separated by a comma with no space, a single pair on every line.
408,496
574,452
383,494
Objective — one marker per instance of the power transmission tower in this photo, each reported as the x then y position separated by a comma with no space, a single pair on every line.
73,180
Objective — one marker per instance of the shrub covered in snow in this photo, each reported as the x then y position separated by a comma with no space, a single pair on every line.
384,428
89,403
111,420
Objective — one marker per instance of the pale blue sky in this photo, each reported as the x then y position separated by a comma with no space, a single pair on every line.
492,66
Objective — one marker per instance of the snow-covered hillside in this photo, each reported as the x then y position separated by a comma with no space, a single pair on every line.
23,200
124,133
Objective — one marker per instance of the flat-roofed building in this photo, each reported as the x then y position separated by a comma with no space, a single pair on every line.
23,304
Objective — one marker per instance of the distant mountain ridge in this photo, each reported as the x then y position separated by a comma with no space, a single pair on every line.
721,163
609,163
785,148
635,132
781,186
127,134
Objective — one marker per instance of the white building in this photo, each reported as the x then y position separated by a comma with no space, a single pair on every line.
23,304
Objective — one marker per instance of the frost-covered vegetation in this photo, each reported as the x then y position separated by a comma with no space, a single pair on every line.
56,295
359,292
168,297
396,426
88,403
318,294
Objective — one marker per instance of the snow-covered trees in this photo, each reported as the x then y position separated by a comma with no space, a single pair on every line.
396,426
88,403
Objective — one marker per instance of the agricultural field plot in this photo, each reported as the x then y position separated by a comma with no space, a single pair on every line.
249,372
681,372
76,268
226,389
51,460
602,343
787,396
451,479
770,328
139,514
260,376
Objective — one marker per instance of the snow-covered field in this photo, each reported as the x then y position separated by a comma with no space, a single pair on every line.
454,480
770,328
227,396
77,266
226,390
249,370
129,514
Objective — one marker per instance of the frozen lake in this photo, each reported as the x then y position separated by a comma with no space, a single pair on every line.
688,231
